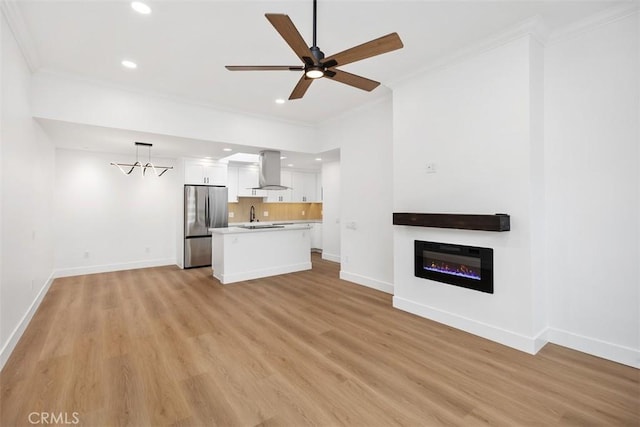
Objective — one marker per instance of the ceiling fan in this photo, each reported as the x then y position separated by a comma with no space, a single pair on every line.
315,64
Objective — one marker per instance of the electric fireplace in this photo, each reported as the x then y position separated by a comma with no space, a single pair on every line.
466,266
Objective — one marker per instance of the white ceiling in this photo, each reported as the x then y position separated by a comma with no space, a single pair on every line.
181,48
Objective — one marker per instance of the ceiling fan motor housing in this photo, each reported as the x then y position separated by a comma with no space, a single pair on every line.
317,54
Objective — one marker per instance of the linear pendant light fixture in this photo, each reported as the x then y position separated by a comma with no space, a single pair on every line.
137,164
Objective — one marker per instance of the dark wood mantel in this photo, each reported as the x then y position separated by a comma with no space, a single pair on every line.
495,222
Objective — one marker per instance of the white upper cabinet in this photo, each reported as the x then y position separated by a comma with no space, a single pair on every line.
232,183
304,187
275,196
247,181
198,172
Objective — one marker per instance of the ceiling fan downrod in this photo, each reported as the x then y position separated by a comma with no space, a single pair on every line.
315,7
318,55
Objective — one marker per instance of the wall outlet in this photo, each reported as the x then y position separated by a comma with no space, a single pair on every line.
231,214
265,213
86,254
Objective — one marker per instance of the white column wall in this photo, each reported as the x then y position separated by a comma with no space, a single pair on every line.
366,234
331,211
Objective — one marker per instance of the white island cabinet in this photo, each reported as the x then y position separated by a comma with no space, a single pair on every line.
243,254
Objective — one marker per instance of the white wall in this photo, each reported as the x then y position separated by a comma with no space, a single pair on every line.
473,120
592,163
26,262
365,140
105,220
331,211
64,98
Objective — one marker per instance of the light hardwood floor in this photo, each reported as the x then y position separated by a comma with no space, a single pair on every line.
163,346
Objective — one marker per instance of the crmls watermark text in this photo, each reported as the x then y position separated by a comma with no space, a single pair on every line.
54,418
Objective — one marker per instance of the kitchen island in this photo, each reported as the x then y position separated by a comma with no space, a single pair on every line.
260,250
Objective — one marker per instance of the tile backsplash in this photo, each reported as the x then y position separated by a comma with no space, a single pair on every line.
275,211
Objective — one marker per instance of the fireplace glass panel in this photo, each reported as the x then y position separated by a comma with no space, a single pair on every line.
466,266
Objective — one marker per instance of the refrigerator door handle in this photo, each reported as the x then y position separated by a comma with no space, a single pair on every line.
206,211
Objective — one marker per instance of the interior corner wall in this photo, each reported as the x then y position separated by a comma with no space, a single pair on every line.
471,120
331,211
592,166
107,221
27,190
366,233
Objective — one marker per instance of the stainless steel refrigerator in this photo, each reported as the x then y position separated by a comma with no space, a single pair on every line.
205,207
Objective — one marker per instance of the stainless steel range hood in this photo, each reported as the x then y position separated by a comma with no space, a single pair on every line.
269,171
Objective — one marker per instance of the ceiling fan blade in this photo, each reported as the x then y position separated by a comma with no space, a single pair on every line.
301,87
283,24
353,80
375,47
264,67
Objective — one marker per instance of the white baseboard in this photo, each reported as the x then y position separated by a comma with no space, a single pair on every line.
606,350
331,257
509,338
15,336
106,268
540,340
264,272
367,281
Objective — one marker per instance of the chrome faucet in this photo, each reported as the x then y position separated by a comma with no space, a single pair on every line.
252,214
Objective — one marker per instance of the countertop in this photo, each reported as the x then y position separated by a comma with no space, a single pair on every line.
238,230
292,221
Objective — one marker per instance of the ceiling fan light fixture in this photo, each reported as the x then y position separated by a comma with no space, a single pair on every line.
314,72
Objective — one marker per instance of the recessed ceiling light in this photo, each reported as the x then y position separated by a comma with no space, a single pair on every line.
283,157
290,165
318,159
227,149
140,7
280,101
129,64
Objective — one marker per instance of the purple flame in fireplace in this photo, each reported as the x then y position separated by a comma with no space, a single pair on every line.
453,269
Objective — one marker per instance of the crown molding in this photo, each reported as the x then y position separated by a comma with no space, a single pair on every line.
591,22
18,27
533,27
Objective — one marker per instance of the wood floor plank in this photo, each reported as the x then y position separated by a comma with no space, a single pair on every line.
170,347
